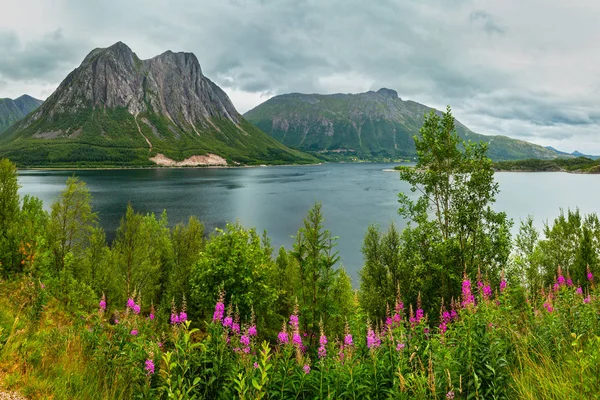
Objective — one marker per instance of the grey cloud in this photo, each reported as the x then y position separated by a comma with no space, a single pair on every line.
489,23
45,58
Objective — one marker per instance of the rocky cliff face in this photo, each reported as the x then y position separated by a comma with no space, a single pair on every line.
374,125
12,111
116,109
171,84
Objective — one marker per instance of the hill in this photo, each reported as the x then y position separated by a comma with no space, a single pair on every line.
371,126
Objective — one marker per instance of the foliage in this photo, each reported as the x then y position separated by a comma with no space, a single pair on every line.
578,164
456,228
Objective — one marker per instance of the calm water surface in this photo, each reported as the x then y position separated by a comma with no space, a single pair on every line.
277,198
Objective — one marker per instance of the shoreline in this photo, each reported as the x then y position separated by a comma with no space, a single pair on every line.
159,167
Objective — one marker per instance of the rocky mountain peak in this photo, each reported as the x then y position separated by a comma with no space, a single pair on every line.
388,93
170,84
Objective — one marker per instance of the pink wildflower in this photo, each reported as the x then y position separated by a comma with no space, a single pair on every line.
283,338
219,311
322,352
348,340
151,316
130,303
136,309
294,320
182,317
235,327
297,339
227,322
306,369
252,331
373,341
174,319
587,299
245,340
468,298
255,365
149,367
579,290
102,304
502,285
487,292
400,346
134,332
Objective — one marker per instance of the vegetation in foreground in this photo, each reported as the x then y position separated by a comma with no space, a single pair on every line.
447,308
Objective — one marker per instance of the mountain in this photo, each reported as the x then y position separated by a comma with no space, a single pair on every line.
371,125
573,154
13,110
118,110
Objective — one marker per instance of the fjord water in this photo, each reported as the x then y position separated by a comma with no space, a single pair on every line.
278,198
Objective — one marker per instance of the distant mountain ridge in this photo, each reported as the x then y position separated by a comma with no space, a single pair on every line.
371,126
573,154
12,111
116,109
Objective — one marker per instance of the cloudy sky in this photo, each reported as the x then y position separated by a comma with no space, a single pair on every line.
529,69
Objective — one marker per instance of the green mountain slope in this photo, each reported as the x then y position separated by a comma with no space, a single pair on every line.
371,126
118,110
13,110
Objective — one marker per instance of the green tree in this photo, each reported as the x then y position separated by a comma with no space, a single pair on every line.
139,253
9,218
525,265
239,262
380,276
187,243
71,221
455,229
316,258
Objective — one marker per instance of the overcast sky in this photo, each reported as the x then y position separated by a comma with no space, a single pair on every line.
528,69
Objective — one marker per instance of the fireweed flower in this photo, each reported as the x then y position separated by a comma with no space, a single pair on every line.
151,316
252,331
174,319
306,369
297,339
219,311
502,285
548,306
136,309
149,367
587,299
400,346
373,341
134,332
255,365
235,327
487,292
569,282
348,340
579,290
182,317
556,287
283,337
450,395
227,322
294,320
245,340
468,298
322,352
590,277
102,304
130,303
